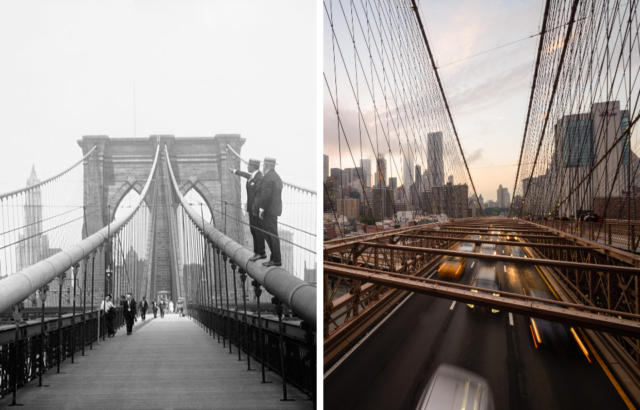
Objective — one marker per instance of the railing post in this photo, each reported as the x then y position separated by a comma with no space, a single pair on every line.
258,292
220,313
43,298
60,281
279,310
235,299
243,279
609,233
16,355
73,317
226,287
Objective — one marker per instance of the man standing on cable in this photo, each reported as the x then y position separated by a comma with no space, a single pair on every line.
254,176
268,206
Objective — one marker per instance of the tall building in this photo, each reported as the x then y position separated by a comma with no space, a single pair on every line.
330,194
383,203
393,183
435,161
504,200
365,164
349,208
426,181
325,167
418,177
381,172
33,246
581,139
336,172
407,171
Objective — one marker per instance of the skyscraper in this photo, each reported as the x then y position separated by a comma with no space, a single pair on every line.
407,171
435,161
504,200
325,168
418,177
381,172
365,164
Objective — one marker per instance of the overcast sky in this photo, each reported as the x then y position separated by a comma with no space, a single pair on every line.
488,94
200,68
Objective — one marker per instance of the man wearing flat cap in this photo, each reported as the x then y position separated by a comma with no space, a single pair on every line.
268,206
253,178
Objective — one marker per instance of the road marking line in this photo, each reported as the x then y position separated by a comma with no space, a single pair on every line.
608,373
505,268
452,305
547,282
473,264
510,318
335,366
432,273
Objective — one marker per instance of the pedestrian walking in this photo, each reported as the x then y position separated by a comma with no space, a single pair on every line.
181,307
129,312
171,307
154,306
161,308
109,314
268,206
255,223
143,308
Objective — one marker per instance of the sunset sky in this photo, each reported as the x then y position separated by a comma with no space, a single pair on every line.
487,94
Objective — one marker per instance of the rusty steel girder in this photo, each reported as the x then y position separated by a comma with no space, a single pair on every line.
588,317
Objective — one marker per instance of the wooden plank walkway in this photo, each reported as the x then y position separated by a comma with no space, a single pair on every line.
168,363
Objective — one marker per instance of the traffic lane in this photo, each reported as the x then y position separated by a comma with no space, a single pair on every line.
353,384
558,376
393,366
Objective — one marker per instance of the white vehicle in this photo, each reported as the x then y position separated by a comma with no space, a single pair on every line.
488,249
452,388
467,247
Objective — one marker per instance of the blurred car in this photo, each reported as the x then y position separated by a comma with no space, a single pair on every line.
518,252
485,281
488,248
452,387
467,247
452,267
552,335
512,236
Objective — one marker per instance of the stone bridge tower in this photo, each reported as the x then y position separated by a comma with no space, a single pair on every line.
121,164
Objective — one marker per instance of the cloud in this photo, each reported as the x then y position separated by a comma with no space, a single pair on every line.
475,156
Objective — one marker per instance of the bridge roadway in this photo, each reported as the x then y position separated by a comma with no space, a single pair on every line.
167,363
392,366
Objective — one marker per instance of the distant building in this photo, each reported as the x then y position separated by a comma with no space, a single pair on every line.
393,183
435,159
365,164
336,172
383,203
504,200
325,167
330,194
349,208
381,172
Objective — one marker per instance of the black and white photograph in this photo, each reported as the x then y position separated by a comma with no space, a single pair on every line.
158,204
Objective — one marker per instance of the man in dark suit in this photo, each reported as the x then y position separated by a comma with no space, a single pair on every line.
129,311
253,179
268,206
143,308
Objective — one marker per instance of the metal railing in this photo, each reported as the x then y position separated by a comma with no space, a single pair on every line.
295,361
29,350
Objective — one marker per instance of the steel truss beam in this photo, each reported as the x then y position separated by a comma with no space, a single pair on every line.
510,302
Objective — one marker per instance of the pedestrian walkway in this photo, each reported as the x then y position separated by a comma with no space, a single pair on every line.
168,363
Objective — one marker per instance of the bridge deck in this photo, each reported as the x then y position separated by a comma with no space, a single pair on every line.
167,363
